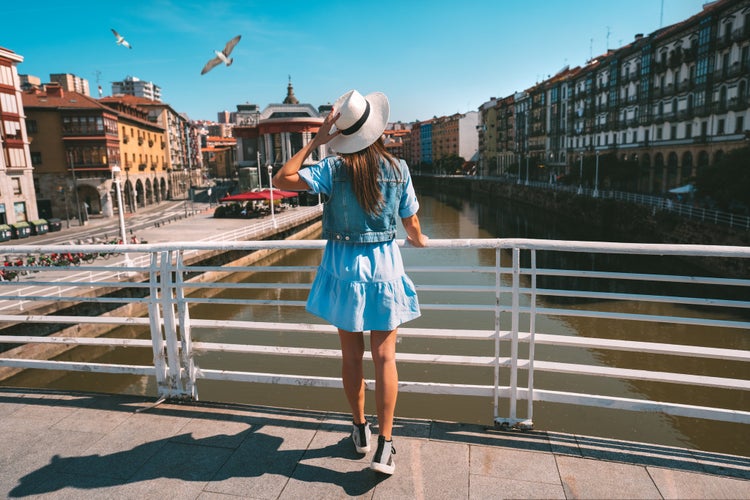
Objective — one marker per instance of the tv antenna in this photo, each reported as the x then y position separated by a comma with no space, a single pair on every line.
99,87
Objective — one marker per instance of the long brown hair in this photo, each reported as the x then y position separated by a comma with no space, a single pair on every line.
363,168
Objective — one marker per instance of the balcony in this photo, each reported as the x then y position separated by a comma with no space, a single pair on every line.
685,85
738,103
723,42
701,111
141,167
741,33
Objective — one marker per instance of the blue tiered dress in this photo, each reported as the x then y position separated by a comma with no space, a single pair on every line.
362,286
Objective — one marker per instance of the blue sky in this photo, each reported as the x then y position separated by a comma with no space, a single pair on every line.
431,58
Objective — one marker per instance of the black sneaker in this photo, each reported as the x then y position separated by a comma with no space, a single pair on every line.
383,459
361,436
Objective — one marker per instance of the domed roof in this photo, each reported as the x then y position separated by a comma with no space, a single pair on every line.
290,98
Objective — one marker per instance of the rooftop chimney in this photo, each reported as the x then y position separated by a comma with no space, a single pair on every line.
54,90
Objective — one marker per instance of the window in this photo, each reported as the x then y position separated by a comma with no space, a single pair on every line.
36,158
720,127
624,138
658,134
673,132
740,126
19,208
31,127
688,130
16,183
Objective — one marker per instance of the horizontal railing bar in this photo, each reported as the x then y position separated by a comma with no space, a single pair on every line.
84,284
406,357
329,382
628,373
74,298
251,269
636,346
79,367
671,299
637,317
619,403
91,341
699,280
74,320
473,243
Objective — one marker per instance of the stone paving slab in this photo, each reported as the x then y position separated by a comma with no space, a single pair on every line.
60,445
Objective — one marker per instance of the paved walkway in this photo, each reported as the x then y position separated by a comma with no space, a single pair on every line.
82,445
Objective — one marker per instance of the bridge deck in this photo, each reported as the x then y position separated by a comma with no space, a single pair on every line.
73,445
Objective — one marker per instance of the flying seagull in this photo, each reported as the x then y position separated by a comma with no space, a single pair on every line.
221,57
120,39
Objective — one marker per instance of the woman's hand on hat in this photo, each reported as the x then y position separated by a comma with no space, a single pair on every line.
324,134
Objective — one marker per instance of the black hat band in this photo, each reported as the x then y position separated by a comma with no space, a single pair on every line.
358,124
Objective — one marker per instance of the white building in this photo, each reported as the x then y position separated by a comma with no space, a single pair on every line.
17,196
137,87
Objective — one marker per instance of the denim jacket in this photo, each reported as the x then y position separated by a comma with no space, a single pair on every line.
344,219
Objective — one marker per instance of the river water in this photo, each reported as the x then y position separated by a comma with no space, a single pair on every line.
447,217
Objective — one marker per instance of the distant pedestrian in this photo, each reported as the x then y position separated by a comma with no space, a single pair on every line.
361,284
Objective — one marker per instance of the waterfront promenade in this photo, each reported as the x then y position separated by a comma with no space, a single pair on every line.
65,445
81,445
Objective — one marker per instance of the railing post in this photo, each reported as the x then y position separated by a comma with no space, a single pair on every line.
529,422
186,343
154,313
514,321
496,371
173,386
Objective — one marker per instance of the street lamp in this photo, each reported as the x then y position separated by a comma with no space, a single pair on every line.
596,178
270,190
61,189
580,174
120,211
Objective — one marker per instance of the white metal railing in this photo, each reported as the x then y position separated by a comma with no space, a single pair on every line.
529,304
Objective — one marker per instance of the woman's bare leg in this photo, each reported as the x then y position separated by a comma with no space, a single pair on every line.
352,374
383,345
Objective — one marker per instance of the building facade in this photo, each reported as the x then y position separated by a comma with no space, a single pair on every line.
74,145
270,137
17,189
134,86
71,83
644,117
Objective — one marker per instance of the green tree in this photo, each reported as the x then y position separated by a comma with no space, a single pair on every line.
727,182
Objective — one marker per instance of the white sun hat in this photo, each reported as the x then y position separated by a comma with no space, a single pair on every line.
363,120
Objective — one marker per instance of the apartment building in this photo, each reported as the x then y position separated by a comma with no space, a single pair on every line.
70,82
73,146
134,86
17,190
649,114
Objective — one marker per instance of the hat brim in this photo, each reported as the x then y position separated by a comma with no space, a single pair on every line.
370,131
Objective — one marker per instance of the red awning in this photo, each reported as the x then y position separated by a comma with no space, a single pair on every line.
259,195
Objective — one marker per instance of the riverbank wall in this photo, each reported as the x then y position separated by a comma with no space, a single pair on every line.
623,221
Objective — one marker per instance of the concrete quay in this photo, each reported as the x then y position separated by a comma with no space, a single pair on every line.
83,445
